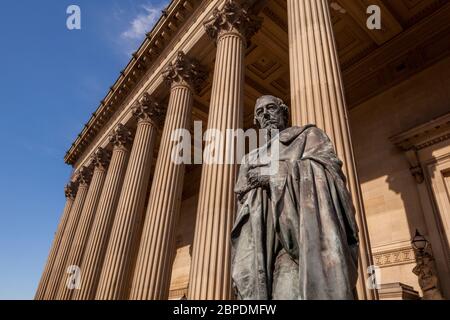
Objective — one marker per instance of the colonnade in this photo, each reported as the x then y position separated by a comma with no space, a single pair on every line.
126,252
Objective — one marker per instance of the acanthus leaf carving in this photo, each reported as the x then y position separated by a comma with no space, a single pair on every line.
84,175
148,109
70,190
185,70
121,136
100,158
233,17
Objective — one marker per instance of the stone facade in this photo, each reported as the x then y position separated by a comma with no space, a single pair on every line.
140,226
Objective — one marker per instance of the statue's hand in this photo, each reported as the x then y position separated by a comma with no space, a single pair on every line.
256,179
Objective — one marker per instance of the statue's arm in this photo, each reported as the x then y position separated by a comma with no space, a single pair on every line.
249,178
319,148
242,188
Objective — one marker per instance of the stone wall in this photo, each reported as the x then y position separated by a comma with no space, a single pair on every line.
390,193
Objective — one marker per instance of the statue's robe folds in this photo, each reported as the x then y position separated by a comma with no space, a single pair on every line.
297,238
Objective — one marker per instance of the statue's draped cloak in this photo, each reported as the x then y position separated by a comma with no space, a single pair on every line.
306,211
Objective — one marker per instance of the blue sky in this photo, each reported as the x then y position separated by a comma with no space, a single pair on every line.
52,80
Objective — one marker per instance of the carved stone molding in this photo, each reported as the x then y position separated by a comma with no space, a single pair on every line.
397,291
421,137
425,270
121,136
84,175
100,158
148,109
158,40
232,18
185,70
70,190
394,257
414,165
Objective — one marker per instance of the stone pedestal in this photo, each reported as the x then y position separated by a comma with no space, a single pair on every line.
397,291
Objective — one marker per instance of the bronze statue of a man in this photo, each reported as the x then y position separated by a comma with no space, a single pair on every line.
295,235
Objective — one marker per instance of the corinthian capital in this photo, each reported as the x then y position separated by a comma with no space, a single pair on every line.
233,17
148,109
121,136
70,190
100,158
84,176
185,70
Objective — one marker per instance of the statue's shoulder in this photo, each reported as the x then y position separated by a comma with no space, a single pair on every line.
292,133
309,133
313,131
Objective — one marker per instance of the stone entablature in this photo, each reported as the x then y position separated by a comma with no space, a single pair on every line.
173,18
421,137
394,257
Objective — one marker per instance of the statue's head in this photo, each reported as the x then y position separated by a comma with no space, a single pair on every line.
271,113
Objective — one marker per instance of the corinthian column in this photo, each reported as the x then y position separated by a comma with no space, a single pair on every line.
99,161
317,97
153,269
104,218
58,270
70,192
120,256
210,277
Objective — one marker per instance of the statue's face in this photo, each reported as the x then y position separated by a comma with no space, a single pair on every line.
269,114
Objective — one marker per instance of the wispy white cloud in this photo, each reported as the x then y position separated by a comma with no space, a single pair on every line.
128,22
137,26
142,23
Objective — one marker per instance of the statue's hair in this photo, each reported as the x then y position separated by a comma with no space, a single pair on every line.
279,102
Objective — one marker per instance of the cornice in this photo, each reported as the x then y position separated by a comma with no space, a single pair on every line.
168,25
145,62
425,135
421,137
190,32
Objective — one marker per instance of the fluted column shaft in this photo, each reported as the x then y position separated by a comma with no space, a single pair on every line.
154,264
210,276
70,197
58,270
122,247
317,97
99,161
102,225
210,273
